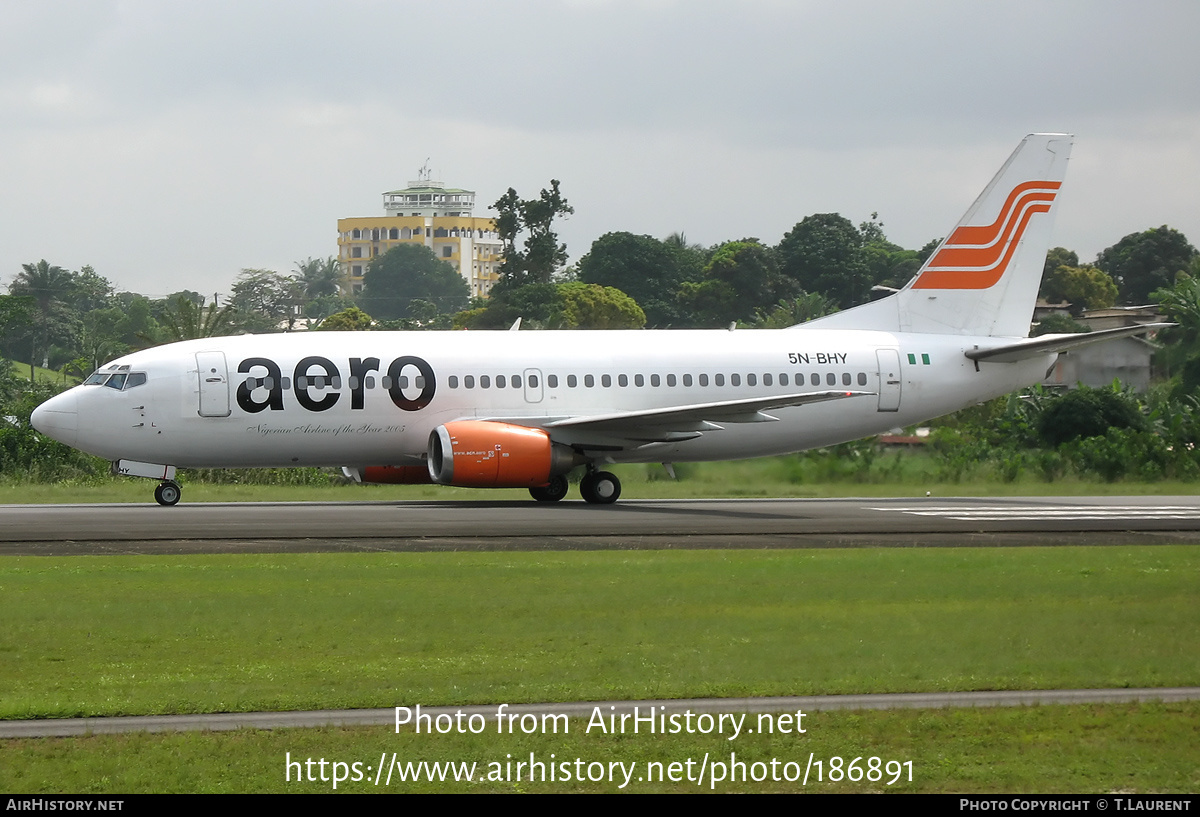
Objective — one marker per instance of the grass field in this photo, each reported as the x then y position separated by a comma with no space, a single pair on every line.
109,635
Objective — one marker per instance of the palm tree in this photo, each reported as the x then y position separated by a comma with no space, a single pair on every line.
182,319
320,276
50,287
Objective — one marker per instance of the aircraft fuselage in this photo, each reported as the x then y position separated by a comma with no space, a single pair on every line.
333,399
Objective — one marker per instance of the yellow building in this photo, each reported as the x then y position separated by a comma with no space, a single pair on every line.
429,213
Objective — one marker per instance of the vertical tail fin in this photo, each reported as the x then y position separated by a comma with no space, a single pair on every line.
984,277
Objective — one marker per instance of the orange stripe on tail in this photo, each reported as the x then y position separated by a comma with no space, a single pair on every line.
976,257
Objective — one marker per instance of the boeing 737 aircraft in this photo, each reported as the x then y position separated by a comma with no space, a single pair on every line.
523,409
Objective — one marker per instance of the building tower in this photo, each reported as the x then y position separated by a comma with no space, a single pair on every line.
429,213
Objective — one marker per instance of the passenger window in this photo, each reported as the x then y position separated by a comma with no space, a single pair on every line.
369,382
302,382
703,380
767,380
516,381
845,378
485,382
687,380
551,381
862,378
639,380
469,381
783,380
735,380
671,380
589,381
622,380
402,381
336,382
655,381
751,380
719,380
606,381
419,382
572,381
352,382
831,379
451,381
815,379
285,383
500,381
533,381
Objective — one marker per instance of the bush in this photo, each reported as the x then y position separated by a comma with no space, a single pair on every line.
1087,412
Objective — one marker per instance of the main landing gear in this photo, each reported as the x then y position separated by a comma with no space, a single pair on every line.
596,487
600,487
553,492
167,492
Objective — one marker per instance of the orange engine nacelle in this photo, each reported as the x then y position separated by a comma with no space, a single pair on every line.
486,454
390,474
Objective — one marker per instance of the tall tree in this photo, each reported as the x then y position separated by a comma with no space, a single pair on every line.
265,301
644,268
1142,262
542,255
320,276
184,319
591,306
1082,287
51,288
1181,303
741,278
824,253
1059,257
409,272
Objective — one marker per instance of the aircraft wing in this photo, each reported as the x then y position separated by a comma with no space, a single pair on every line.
1032,347
677,423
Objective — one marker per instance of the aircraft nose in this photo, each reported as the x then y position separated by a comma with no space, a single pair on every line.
58,417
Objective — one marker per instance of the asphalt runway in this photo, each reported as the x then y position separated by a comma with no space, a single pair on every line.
631,524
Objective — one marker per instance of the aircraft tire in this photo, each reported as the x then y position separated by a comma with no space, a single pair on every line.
556,490
600,488
167,493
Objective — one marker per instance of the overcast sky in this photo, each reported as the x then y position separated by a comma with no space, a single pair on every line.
171,144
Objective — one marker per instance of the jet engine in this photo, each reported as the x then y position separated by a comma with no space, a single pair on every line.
488,454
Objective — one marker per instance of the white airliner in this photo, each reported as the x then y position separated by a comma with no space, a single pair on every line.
522,409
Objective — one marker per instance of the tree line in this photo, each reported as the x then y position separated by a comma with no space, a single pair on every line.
73,321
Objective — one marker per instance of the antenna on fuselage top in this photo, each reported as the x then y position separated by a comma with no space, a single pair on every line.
516,325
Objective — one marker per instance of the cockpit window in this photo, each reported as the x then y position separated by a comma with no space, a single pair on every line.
119,379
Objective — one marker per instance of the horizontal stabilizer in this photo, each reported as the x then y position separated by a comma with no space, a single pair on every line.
1046,344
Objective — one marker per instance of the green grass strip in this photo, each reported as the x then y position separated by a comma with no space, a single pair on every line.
144,635
1131,749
